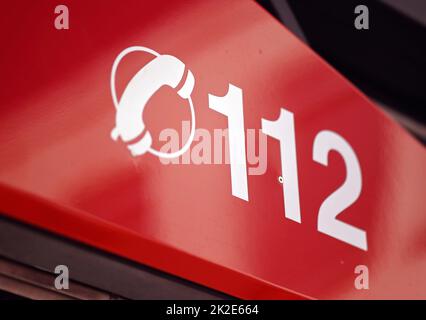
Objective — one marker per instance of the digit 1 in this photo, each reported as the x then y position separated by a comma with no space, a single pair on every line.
231,106
282,129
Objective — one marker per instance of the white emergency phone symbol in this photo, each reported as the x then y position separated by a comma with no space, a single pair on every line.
163,70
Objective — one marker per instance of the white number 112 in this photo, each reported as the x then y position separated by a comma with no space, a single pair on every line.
282,129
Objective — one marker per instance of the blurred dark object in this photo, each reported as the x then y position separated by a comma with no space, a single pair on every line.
9,296
28,257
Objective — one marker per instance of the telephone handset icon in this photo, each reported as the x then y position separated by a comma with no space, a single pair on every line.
163,70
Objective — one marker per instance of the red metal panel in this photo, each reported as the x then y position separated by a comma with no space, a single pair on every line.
60,170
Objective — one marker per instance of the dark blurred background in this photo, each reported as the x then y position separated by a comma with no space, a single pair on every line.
387,61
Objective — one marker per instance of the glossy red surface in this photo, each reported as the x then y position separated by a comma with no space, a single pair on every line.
60,170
